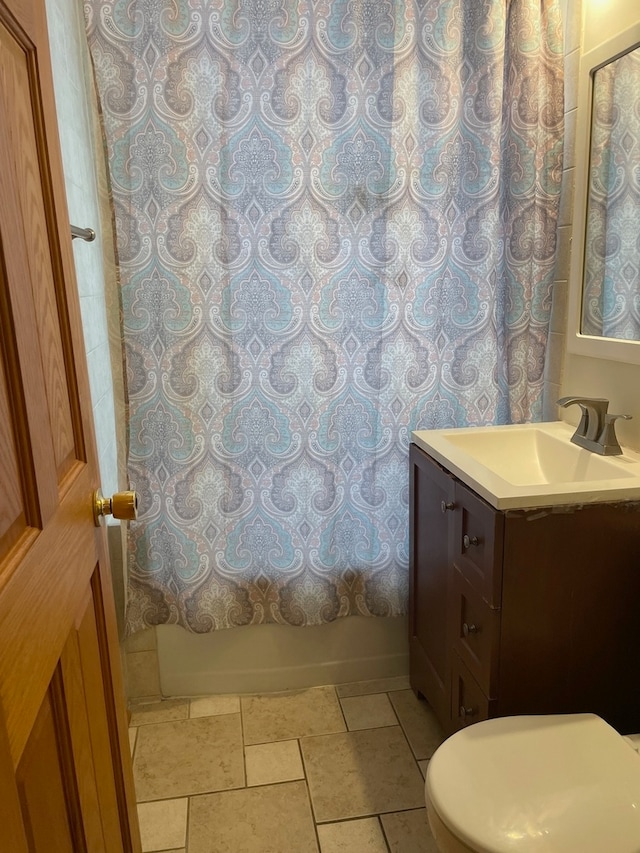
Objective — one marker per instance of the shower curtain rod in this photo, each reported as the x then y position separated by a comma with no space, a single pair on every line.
87,234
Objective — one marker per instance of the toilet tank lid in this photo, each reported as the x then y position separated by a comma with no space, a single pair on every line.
550,784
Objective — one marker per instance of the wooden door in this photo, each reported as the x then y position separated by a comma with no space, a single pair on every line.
65,772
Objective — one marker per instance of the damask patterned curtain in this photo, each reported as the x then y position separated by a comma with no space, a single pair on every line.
336,223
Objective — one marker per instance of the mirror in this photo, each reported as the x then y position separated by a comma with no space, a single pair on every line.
611,278
605,266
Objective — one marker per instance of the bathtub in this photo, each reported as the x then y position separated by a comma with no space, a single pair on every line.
261,658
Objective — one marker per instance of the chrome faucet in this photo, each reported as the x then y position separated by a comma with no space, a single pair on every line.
596,431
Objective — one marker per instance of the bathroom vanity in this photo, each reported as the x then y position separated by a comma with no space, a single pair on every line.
527,604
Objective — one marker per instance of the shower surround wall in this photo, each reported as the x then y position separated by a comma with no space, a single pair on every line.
572,18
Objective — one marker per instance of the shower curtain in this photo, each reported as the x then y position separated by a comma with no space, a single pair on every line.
336,223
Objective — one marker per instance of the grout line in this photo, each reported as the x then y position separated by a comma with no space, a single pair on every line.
187,826
384,834
135,743
308,787
313,814
305,779
395,713
244,746
339,700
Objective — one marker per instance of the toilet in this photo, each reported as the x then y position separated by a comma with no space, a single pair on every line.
550,784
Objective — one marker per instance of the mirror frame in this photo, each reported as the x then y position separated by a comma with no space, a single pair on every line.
592,345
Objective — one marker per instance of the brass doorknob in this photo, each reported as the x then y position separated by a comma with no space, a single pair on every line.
123,505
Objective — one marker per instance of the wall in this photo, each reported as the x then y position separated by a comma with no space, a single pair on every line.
572,20
595,377
70,71
198,664
76,113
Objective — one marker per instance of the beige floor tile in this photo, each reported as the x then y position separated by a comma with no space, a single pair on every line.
159,712
377,685
368,712
188,757
211,706
419,722
409,832
361,773
350,836
269,819
268,763
423,767
132,739
163,824
285,716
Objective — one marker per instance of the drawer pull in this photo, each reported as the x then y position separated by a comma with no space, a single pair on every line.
447,505
468,541
469,629
467,712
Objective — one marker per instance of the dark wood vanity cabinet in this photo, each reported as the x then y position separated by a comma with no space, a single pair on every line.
521,611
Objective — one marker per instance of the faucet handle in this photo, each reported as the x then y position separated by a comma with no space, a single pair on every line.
594,401
608,438
593,412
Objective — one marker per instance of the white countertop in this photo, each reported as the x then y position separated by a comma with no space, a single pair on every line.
510,466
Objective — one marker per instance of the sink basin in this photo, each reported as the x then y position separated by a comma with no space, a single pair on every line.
527,465
533,455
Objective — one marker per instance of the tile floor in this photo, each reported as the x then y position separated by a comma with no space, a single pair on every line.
328,769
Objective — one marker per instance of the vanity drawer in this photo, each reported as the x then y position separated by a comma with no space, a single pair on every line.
468,703
476,633
477,544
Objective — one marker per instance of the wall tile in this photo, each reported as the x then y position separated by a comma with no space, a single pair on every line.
565,214
571,65
550,406
570,121
559,307
553,368
143,677
563,256
573,26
